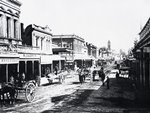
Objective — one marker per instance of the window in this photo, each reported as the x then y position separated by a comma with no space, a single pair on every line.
1,27
41,43
8,26
15,28
37,39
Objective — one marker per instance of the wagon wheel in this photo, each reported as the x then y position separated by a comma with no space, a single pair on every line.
30,92
16,94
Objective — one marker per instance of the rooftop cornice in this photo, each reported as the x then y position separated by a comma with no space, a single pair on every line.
16,2
145,26
40,29
69,36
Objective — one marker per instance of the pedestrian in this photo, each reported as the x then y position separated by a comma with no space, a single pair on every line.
91,73
56,70
80,75
102,75
117,75
108,80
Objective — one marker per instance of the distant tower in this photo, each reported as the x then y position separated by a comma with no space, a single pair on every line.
109,45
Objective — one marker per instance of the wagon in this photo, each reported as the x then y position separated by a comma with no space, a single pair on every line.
11,91
28,88
124,72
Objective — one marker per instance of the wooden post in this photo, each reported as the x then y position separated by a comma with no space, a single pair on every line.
6,73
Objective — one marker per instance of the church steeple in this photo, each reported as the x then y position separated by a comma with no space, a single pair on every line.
109,45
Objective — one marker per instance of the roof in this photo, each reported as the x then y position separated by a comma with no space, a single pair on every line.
68,36
145,26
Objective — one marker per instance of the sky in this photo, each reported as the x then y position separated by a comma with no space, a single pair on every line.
97,21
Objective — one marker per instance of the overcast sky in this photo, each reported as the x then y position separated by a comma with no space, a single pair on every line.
97,21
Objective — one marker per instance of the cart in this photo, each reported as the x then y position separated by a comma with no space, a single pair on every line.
124,72
28,88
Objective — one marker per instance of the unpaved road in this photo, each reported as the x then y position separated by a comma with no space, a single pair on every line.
49,97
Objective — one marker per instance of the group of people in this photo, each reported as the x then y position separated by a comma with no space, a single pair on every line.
19,80
81,75
83,72
8,89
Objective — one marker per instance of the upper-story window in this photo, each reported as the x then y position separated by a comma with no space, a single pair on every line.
42,43
37,40
15,28
8,26
1,27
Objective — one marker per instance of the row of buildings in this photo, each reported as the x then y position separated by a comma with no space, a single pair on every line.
141,63
34,50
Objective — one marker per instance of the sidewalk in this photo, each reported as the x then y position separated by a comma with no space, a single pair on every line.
118,99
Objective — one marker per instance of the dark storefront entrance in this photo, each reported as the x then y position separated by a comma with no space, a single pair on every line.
30,68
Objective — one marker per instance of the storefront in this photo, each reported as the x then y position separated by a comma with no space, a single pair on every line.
141,52
8,67
58,61
83,60
46,65
30,65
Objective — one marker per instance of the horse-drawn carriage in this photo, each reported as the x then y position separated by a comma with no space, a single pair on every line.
11,90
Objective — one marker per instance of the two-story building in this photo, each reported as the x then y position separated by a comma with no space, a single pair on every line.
78,56
10,38
39,39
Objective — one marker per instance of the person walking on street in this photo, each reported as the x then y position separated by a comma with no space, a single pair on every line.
91,73
102,75
117,76
80,75
108,80
56,70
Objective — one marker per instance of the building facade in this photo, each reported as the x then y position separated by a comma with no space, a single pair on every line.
40,40
141,52
10,38
78,56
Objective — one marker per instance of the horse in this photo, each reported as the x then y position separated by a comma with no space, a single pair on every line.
9,92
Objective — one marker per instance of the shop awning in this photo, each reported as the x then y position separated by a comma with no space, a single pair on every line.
57,57
46,59
83,57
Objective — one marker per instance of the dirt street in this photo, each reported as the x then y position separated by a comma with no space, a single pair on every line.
51,96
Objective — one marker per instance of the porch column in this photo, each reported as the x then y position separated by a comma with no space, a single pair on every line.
141,69
149,71
6,73
39,69
33,68
144,69
18,68
25,67
52,68
59,64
